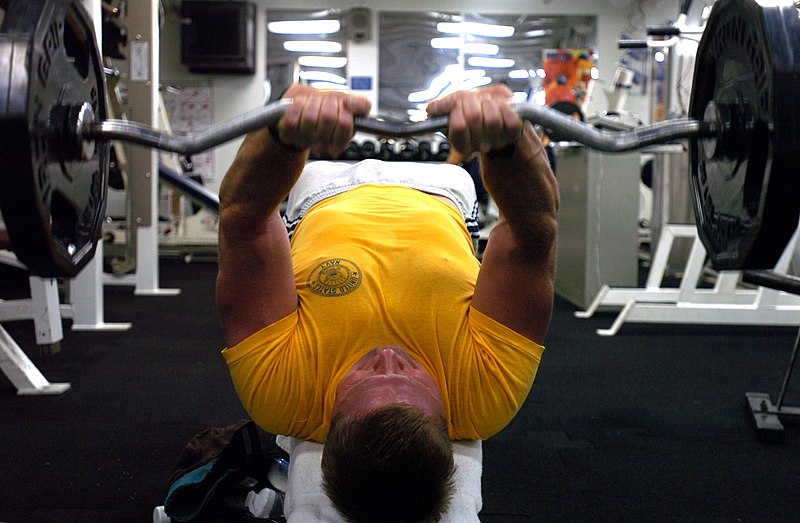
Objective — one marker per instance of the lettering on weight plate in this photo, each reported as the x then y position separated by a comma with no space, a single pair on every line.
335,277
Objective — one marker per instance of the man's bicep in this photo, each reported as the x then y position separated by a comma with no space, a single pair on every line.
255,284
514,288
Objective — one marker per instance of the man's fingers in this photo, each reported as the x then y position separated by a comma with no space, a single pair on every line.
473,116
358,105
493,125
478,120
342,131
512,121
443,106
309,121
458,133
328,118
293,113
334,128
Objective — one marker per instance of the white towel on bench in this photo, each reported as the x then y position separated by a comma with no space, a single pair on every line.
306,502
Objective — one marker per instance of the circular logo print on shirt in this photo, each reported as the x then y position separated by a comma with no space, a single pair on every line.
335,277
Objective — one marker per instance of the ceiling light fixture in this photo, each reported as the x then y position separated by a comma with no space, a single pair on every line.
322,76
312,46
331,62
519,74
475,28
304,27
447,42
417,115
537,33
453,78
519,97
483,61
327,86
474,83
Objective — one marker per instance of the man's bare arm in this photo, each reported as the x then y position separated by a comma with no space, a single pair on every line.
515,284
255,284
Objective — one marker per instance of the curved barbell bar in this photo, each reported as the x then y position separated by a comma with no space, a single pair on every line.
567,126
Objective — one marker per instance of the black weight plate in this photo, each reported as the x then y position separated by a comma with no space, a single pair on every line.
52,201
746,187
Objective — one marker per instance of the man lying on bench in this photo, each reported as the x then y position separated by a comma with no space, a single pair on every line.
361,319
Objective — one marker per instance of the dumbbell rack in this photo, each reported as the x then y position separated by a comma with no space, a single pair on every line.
396,150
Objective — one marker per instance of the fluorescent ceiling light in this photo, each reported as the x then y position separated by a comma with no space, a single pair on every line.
477,29
453,78
540,73
448,42
328,86
466,85
475,82
417,115
519,74
332,62
312,46
304,27
519,97
455,42
472,74
322,76
536,33
478,48
483,61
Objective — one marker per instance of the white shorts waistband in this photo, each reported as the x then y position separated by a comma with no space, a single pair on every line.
323,179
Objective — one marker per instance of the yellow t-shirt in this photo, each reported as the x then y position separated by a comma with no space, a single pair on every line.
376,266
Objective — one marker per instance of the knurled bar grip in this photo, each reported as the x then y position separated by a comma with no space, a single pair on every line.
566,126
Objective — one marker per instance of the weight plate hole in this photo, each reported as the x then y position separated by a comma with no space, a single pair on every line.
64,221
75,43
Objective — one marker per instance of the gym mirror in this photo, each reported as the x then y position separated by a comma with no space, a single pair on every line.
427,54
422,54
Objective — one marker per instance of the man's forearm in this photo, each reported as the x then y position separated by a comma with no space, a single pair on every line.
259,178
525,191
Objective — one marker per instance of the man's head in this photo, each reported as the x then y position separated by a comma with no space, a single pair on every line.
388,457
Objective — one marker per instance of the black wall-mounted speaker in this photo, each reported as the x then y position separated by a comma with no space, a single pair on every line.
359,24
218,37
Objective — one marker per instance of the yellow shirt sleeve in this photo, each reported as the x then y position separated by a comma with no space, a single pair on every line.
493,379
271,373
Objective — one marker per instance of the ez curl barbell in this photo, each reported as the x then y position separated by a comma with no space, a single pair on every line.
743,131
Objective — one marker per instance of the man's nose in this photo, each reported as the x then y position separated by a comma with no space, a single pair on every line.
389,362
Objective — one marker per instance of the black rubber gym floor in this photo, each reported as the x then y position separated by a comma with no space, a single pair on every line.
649,425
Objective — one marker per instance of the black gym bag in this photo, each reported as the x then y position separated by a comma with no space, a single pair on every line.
217,469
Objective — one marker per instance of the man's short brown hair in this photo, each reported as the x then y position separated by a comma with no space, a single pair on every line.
393,464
